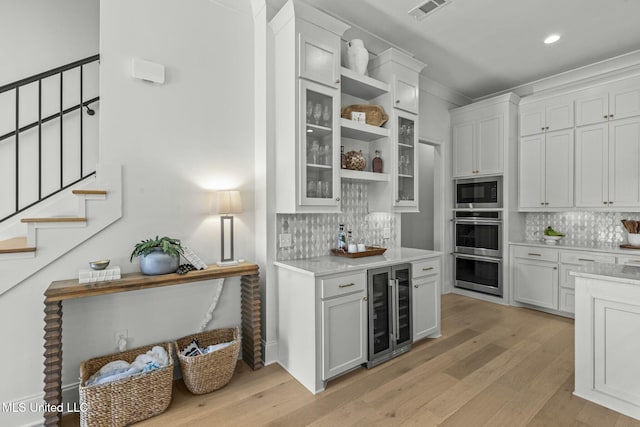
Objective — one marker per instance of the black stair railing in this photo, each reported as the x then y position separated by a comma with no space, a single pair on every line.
59,115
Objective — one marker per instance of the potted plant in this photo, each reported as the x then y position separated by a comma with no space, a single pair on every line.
158,256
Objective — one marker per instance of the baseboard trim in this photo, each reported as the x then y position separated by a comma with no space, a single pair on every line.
270,352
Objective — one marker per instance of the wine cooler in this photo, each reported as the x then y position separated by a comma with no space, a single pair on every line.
390,328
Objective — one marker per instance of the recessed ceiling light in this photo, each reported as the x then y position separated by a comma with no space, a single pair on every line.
552,39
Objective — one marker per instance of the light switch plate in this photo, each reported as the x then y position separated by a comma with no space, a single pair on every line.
285,240
147,70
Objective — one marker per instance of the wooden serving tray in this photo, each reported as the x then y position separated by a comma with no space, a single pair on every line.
629,247
375,115
370,251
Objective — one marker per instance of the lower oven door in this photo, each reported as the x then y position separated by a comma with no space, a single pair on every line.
478,273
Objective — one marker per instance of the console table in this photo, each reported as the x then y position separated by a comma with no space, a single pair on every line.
63,290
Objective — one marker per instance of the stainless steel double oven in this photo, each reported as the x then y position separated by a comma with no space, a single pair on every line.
478,251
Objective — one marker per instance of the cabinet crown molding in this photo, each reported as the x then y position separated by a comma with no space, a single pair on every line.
394,55
500,99
297,9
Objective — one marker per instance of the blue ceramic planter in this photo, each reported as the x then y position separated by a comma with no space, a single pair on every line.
157,262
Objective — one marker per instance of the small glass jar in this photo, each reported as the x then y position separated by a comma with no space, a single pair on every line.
376,163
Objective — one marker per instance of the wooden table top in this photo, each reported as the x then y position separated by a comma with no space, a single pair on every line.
70,289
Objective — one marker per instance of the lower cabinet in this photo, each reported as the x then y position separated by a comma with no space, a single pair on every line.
541,276
344,333
426,299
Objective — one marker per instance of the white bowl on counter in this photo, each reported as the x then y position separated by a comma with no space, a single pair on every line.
634,239
551,240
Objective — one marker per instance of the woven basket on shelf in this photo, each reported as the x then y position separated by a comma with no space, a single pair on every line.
128,400
211,371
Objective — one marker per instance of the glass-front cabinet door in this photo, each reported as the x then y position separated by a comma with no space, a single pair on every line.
403,332
319,141
406,176
380,315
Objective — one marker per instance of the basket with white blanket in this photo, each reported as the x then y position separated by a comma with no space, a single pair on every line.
204,373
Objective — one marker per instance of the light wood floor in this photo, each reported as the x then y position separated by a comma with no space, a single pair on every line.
493,366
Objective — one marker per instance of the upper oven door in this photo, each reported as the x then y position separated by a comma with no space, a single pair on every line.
478,237
479,193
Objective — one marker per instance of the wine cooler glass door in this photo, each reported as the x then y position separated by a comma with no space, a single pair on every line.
380,322
402,276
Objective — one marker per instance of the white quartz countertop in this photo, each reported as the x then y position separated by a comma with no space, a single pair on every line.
331,264
612,272
605,248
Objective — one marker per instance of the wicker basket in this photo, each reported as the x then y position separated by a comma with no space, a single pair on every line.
129,400
209,372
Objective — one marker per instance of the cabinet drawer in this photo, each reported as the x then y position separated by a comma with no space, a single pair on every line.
628,260
425,268
541,254
343,285
586,257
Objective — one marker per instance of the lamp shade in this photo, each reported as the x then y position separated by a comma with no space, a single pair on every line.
229,202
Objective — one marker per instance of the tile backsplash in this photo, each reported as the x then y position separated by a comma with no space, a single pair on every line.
314,235
581,228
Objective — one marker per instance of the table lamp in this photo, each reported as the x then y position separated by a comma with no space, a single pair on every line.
229,202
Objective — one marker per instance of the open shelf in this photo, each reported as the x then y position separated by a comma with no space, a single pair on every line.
318,166
363,87
363,176
362,131
400,144
317,130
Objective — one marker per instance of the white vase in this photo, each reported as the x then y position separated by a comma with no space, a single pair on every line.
357,56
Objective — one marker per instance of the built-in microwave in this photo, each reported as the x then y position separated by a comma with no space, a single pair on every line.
479,192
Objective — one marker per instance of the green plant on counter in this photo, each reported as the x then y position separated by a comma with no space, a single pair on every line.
168,245
551,232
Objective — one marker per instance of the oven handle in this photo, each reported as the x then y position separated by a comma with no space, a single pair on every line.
477,221
478,257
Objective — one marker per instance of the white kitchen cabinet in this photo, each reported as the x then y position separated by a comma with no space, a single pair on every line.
535,282
570,261
546,116
478,147
307,101
608,164
344,333
609,102
402,73
546,170
426,299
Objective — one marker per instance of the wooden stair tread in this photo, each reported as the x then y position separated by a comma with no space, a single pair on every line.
15,245
99,192
54,219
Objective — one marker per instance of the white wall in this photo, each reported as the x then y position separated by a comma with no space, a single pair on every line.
176,142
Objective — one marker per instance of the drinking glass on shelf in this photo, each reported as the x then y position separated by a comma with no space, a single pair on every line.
311,188
314,151
402,165
309,111
326,114
326,189
319,187
317,113
326,153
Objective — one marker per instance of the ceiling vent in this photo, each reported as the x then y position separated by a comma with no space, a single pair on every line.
428,8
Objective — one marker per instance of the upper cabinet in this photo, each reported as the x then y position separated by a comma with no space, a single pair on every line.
479,135
307,101
611,102
403,73
546,116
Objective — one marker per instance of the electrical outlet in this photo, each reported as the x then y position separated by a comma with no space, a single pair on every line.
285,240
386,233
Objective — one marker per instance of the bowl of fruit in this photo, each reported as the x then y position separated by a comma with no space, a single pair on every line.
551,236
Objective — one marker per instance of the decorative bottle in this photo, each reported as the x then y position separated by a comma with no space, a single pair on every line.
376,163
342,238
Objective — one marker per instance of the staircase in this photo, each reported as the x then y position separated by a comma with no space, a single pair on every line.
47,231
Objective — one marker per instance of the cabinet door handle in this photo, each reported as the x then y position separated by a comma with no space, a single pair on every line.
346,285
338,81
532,254
542,203
555,268
397,101
610,203
611,116
604,203
546,128
337,199
605,116
586,259
542,128
365,299
427,269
